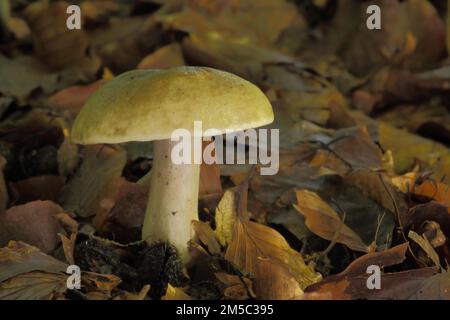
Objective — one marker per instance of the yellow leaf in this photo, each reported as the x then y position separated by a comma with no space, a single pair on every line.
226,215
325,222
173,293
407,148
426,246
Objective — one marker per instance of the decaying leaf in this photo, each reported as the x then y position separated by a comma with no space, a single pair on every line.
174,293
46,187
252,242
19,258
34,285
206,236
226,215
352,282
34,223
273,281
166,57
325,222
426,246
236,287
94,181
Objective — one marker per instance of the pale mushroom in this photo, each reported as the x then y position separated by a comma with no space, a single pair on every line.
148,105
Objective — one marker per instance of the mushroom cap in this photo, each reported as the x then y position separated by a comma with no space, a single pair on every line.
146,105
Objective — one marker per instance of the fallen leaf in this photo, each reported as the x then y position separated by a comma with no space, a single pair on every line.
55,44
273,281
436,287
226,216
174,293
94,181
165,57
236,287
252,242
426,246
34,223
206,236
325,222
71,99
130,203
34,285
19,258
352,282
407,148
4,196
428,189
134,296
46,187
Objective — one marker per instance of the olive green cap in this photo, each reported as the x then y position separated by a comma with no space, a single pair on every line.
146,105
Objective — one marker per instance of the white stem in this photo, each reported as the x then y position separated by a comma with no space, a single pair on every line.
173,200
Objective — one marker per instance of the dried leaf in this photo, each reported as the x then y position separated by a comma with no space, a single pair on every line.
206,236
46,187
226,215
134,296
4,196
273,281
325,222
352,282
34,285
252,242
407,148
94,181
71,99
436,287
174,293
426,246
130,203
236,287
165,57
34,223
19,258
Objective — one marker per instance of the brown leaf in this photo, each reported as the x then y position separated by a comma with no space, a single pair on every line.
69,247
34,223
352,282
427,189
253,242
4,196
55,44
71,99
38,188
273,281
165,57
436,287
95,181
325,222
206,236
134,296
19,258
130,203
105,283
357,149
34,285
236,287
378,187
210,183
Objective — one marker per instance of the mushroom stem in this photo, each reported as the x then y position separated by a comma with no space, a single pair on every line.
173,200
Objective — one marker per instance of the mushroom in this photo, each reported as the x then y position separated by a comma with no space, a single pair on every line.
148,105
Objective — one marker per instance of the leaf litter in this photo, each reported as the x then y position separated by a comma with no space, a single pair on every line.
364,176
